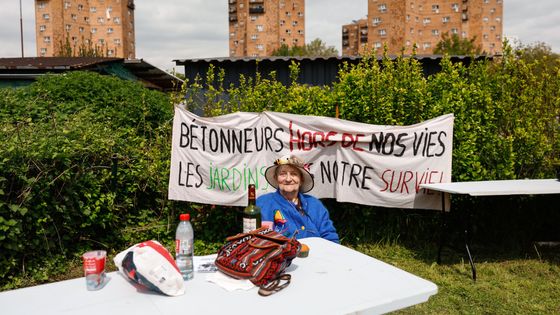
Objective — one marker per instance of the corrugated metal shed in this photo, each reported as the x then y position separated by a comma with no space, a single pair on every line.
317,71
22,71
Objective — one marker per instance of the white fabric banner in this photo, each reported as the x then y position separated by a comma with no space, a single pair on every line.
214,159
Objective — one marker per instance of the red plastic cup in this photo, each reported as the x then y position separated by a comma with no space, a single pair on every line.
94,269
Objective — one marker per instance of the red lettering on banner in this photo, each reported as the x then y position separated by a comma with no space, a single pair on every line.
398,181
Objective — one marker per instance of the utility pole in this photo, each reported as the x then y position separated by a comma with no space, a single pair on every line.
21,27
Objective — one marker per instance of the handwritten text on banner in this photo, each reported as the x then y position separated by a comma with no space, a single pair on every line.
213,159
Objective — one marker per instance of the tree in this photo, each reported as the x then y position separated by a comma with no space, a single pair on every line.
316,48
454,45
83,50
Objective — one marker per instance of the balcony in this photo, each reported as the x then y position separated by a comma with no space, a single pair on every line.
256,1
256,9
233,17
363,39
232,1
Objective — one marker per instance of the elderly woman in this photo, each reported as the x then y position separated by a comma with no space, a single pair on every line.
289,209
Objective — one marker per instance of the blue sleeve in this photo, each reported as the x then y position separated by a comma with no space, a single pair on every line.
327,229
324,223
264,203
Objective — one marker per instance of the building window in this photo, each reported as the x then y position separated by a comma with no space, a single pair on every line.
382,32
486,1
47,39
43,51
295,41
110,52
93,30
232,34
288,13
86,19
377,45
253,17
426,45
300,14
260,47
282,22
289,31
101,41
110,30
100,20
464,34
235,42
492,45
74,17
81,29
445,19
454,31
376,21
294,23
426,21
80,7
66,4
485,19
492,11
411,30
300,32
382,8
407,43
254,37
117,20
492,28
455,7
435,8
46,16
93,9
485,36
68,27
42,28
498,37
117,41
41,4
260,28
435,32
498,20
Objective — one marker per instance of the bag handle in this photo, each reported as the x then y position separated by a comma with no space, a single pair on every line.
274,285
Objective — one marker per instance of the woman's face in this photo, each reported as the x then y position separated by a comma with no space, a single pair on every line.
289,178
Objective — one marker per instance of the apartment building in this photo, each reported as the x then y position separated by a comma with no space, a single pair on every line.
355,37
259,27
401,24
107,25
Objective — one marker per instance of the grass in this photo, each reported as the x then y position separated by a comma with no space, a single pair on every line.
505,285
508,283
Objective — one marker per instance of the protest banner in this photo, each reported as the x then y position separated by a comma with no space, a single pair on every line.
214,159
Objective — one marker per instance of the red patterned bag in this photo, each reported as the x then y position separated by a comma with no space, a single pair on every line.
261,256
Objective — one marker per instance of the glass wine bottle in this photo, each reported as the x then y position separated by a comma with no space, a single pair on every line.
251,213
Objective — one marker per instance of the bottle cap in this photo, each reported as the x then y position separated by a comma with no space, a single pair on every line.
185,217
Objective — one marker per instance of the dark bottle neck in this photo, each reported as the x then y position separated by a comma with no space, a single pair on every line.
251,195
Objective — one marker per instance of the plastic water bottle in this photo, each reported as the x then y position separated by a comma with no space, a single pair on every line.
184,238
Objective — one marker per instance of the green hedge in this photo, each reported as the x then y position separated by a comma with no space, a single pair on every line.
58,137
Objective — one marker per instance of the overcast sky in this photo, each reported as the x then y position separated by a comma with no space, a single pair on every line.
186,29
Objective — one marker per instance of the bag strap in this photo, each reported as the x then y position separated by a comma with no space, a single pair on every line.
274,285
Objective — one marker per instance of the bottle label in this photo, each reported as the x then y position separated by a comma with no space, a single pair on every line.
183,247
249,224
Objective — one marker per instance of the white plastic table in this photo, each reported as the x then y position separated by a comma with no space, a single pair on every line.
493,188
333,280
